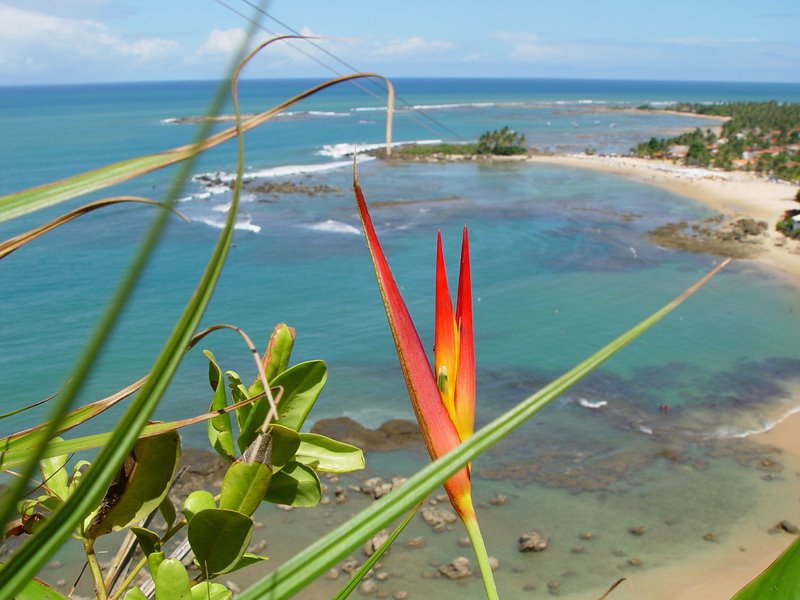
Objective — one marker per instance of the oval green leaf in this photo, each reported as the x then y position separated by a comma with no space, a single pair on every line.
149,541
172,581
220,432
139,487
219,539
244,487
295,485
134,594
54,474
197,501
325,454
210,591
302,385
39,590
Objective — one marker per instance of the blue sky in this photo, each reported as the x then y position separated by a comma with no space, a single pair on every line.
72,41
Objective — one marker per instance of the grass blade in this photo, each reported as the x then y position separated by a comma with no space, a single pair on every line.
30,200
309,564
20,240
376,556
27,561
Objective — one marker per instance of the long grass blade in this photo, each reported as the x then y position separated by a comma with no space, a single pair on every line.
29,558
309,564
13,458
376,556
20,240
30,200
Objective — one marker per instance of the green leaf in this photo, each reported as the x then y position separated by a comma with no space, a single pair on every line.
375,556
34,554
238,393
275,448
39,590
197,501
244,487
285,443
54,474
327,455
206,590
279,350
315,559
219,539
295,485
172,581
134,594
154,560
779,581
248,558
140,486
149,541
167,510
302,384
220,432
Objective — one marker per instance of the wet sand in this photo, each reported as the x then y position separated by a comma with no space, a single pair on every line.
749,548
735,194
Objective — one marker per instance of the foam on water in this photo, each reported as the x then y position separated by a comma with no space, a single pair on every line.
332,226
348,148
245,225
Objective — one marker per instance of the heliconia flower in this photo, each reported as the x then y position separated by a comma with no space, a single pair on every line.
443,398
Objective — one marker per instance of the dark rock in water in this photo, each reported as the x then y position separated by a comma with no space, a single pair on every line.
350,564
578,549
332,574
498,500
372,544
635,562
532,542
586,535
438,518
459,568
400,595
415,542
710,537
554,587
368,587
529,587
392,435
637,530
464,541
767,464
789,527
494,563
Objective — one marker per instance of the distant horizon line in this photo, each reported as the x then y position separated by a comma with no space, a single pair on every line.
400,78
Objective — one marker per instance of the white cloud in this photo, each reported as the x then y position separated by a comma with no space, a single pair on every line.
31,37
412,46
223,41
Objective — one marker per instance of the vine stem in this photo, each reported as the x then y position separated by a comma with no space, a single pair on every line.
97,573
474,531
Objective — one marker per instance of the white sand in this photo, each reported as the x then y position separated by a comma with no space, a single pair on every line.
749,549
735,194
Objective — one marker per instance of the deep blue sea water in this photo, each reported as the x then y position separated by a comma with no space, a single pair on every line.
561,264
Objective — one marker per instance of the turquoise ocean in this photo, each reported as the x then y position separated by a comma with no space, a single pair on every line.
562,264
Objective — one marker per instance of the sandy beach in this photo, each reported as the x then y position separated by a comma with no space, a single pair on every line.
749,549
735,194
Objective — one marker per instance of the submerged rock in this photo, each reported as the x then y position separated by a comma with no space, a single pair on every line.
789,527
392,435
438,518
532,542
372,545
458,568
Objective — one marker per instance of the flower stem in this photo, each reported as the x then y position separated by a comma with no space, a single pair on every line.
474,531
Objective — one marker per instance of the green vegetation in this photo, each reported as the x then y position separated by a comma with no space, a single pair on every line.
758,136
500,142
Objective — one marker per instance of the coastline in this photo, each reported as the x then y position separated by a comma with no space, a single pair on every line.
734,194
750,550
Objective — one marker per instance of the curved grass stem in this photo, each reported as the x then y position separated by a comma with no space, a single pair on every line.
474,532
